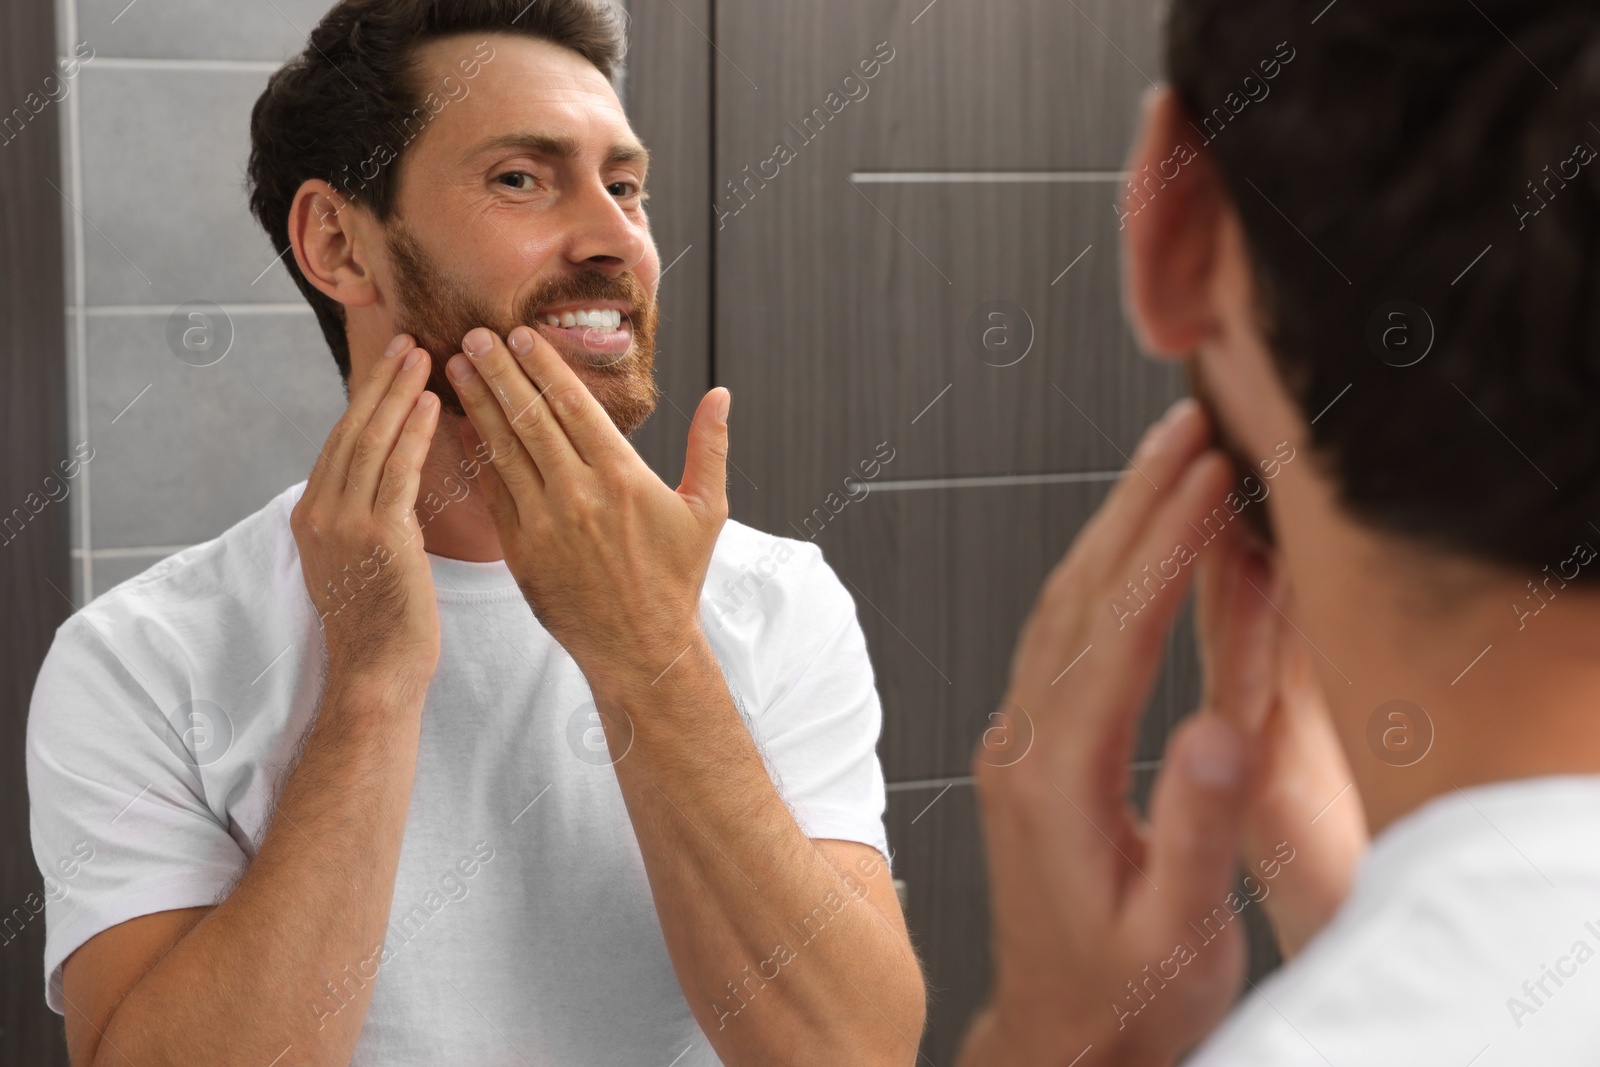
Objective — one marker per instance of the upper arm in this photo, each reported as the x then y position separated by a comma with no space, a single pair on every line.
102,971
819,719
131,851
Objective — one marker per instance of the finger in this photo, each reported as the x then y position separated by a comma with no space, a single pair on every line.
1197,815
522,401
1130,622
396,499
1164,453
333,462
502,504
1305,807
705,468
1238,630
373,445
588,428
1126,641
505,449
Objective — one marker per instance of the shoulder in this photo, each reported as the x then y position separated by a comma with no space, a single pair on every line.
1446,944
202,600
235,561
758,581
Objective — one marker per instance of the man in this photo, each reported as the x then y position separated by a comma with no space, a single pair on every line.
1371,228
502,788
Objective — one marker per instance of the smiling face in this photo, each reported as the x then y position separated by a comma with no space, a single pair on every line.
523,204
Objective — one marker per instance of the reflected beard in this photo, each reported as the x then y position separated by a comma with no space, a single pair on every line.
438,311
1257,519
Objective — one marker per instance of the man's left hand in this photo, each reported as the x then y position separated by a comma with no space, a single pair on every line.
609,557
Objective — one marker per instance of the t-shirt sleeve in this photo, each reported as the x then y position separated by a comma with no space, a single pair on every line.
118,818
820,726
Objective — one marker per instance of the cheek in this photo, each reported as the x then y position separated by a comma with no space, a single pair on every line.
649,269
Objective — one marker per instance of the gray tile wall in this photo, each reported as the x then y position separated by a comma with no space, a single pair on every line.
157,134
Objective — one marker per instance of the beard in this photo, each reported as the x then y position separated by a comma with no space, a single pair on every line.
438,310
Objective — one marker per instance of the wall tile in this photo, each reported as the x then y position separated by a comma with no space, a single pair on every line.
164,153
202,447
206,29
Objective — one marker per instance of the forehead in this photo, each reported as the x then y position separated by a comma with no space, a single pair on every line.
520,84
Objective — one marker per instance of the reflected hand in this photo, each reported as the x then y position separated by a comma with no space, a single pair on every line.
1097,918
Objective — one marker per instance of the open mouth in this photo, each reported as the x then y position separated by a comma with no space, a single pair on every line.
599,335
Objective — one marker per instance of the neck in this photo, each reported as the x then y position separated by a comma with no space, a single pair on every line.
1507,681
455,518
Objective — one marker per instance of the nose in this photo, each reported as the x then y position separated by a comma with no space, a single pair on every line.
604,237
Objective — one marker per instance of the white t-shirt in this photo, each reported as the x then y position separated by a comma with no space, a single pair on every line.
522,928
1456,906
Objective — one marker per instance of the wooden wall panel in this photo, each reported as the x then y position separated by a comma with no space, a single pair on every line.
35,559
943,580
668,96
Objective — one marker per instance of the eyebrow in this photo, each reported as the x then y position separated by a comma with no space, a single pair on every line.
554,146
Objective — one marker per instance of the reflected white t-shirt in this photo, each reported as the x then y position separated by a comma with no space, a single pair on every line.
522,928
1472,936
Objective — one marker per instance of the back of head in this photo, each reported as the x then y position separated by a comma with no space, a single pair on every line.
1419,186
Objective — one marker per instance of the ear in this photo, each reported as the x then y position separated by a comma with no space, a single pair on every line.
1174,205
328,236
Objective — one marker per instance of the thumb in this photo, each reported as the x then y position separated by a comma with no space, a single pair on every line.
705,468
1197,818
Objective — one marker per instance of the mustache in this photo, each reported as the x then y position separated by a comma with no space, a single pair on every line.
586,287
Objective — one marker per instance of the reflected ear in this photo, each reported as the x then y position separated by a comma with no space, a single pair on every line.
1174,204
327,234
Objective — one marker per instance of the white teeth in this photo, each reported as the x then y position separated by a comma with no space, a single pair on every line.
608,319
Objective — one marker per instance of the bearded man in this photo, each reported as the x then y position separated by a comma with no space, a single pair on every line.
443,756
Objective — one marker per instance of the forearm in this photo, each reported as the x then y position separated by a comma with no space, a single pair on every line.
782,957
284,966
993,1041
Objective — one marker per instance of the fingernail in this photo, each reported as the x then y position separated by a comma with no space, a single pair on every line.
477,343
397,346
461,369
1178,412
1216,757
413,359
521,340
1162,428
723,405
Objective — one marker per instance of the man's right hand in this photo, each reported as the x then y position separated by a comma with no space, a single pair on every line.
360,549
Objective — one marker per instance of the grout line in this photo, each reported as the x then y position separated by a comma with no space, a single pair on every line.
80,357
935,783
253,66
985,482
97,311
928,783
132,553
986,177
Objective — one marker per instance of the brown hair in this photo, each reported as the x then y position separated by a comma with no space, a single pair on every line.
346,108
1404,172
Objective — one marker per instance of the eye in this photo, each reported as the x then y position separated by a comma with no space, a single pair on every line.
514,179
625,190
